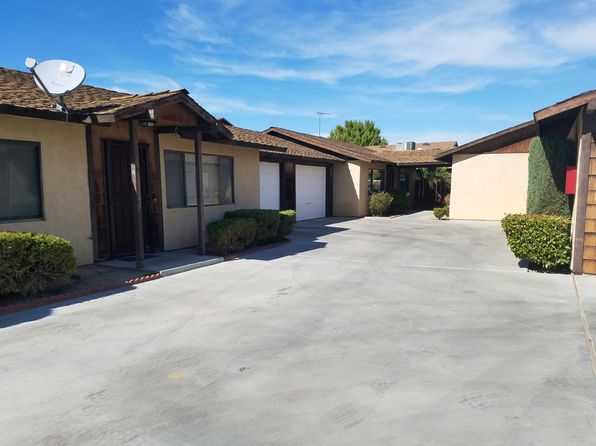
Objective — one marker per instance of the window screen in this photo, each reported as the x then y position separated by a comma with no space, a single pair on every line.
218,177
20,182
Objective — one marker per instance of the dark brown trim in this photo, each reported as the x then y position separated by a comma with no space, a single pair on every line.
40,114
137,194
495,140
329,191
160,177
200,198
581,203
91,183
273,158
565,105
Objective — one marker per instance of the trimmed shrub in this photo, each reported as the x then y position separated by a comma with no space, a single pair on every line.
439,213
546,176
286,223
267,222
30,263
541,239
379,203
231,234
401,200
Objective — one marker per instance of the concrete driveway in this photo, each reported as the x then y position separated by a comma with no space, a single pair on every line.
404,331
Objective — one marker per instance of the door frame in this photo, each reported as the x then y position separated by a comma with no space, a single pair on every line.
144,149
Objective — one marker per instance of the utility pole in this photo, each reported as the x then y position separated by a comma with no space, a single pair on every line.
320,114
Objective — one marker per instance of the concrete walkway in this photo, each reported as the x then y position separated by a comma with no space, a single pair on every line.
403,331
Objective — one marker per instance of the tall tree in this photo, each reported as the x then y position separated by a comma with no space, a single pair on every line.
358,132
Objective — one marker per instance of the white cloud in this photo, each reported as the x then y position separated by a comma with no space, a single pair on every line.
282,42
220,105
573,37
136,82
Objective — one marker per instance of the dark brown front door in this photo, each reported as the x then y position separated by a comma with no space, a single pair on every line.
121,197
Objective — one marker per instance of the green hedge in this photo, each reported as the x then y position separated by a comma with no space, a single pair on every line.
30,263
231,234
287,219
544,240
379,203
401,200
547,163
439,213
267,222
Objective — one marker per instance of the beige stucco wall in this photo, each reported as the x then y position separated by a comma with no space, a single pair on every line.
350,189
488,186
65,186
180,224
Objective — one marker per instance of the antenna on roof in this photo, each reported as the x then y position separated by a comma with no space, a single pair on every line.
56,78
320,114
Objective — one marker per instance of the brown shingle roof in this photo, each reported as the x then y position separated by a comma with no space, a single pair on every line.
264,140
338,148
443,145
422,157
19,92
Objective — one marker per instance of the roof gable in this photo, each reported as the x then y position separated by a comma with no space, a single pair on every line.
20,95
341,149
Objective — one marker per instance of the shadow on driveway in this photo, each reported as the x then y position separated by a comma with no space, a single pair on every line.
304,238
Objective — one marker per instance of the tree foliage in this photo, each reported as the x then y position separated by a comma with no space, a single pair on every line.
546,176
363,133
434,177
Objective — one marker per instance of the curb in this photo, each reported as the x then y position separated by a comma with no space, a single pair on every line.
586,325
35,303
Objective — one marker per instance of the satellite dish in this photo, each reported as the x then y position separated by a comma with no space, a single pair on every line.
56,77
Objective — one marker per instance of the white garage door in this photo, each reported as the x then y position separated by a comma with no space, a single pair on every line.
310,192
269,185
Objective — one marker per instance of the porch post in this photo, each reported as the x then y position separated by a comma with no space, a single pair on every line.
200,200
135,174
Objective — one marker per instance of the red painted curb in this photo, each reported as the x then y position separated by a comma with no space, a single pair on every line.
74,294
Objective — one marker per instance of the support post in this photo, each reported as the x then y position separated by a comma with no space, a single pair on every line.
200,200
580,204
135,174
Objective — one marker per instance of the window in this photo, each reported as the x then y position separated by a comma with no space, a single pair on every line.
404,182
20,180
376,180
181,188
218,174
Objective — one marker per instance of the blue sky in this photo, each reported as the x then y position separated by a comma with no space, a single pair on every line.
422,70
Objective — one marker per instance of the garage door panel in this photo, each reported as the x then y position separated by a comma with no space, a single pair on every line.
310,192
269,186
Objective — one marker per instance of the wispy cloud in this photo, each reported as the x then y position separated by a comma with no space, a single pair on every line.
355,40
223,104
135,81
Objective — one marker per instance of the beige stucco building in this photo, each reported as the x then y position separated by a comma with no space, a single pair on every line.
490,175
64,183
488,186
117,177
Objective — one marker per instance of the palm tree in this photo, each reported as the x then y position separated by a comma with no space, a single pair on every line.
436,178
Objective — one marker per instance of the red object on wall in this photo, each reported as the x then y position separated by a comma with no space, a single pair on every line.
570,179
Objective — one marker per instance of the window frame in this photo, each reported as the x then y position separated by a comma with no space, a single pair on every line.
371,173
233,181
42,212
184,179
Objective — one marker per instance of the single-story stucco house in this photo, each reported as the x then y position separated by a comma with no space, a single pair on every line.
490,175
77,175
354,171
